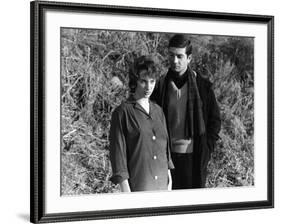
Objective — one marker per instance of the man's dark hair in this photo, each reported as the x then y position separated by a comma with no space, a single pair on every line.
181,41
146,63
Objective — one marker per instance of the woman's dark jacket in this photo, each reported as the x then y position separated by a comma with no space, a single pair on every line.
204,144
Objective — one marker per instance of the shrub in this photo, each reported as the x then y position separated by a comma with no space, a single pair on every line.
94,80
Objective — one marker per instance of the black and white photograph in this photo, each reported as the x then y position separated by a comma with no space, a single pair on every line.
148,112
144,111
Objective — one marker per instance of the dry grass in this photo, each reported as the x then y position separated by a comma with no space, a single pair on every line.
94,77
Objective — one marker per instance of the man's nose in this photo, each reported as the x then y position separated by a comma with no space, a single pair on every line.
175,59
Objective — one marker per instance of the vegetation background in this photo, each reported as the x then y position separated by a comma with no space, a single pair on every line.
94,80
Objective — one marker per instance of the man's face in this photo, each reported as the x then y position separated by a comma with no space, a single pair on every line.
145,86
178,59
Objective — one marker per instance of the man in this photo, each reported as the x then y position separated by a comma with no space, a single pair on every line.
192,116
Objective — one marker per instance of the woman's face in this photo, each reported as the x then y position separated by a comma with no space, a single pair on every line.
145,85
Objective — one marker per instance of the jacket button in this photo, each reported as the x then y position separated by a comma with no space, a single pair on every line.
156,177
154,157
153,137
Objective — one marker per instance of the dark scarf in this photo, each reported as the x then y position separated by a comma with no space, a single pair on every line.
194,119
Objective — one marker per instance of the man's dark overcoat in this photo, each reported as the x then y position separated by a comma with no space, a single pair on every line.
204,144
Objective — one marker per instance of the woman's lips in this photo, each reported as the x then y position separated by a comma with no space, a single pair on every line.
147,93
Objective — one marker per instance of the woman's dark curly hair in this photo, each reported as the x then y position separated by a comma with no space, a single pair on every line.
146,63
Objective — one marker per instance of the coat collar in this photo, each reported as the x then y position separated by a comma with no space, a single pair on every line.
131,100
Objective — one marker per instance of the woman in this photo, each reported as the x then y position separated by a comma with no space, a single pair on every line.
139,143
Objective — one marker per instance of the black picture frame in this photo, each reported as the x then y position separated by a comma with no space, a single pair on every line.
38,124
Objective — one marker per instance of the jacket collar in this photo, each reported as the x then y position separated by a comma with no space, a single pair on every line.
132,100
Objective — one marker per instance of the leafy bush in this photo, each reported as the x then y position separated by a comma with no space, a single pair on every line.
94,79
